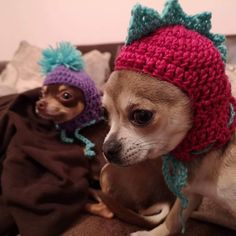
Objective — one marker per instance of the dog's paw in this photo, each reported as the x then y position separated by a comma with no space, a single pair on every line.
161,230
140,233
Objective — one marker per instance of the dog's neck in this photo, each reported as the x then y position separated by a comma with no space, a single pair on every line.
198,145
213,158
79,122
85,119
177,173
73,128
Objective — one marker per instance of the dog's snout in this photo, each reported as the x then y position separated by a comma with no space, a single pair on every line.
112,150
41,105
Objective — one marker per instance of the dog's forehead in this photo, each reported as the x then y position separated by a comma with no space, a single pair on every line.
112,88
120,95
62,87
51,88
44,89
131,86
121,83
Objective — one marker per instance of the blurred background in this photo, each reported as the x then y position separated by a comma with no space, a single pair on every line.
85,22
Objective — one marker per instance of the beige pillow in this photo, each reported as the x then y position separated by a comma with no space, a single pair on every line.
97,66
231,72
23,72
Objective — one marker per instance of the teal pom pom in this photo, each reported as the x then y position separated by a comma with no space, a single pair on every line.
145,20
64,54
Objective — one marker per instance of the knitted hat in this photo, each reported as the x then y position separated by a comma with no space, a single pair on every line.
179,49
64,65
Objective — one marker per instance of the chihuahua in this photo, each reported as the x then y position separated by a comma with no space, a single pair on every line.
60,103
148,120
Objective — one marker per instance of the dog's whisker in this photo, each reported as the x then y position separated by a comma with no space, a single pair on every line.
139,138
151,143
145,142
137,141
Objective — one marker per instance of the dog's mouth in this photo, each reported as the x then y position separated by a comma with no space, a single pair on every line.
126,159
119,162
57,117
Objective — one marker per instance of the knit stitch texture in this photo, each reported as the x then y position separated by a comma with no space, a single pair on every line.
190,61
79,79
146,20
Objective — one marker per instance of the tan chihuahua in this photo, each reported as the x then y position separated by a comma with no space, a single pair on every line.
150,119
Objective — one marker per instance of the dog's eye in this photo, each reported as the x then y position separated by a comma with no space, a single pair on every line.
141,117
66,96
105,114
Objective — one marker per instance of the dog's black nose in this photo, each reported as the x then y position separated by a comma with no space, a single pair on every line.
112,149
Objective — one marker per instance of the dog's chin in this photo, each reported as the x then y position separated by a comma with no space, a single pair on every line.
57,117
119,162
122,163
125,162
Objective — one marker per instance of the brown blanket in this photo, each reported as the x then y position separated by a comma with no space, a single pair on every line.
44,182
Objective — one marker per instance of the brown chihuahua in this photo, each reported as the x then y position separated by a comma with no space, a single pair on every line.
60,102
70,99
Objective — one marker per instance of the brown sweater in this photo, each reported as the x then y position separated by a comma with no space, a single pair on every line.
44,182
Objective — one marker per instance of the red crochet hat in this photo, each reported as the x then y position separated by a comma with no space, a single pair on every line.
178,49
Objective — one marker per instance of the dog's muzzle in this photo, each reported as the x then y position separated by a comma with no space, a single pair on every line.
112,151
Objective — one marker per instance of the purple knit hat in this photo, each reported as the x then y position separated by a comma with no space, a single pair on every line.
64,65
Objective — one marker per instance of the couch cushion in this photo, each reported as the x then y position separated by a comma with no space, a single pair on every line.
23,72
231,72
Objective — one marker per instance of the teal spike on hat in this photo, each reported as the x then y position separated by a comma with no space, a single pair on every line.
143,21
146,20
173,14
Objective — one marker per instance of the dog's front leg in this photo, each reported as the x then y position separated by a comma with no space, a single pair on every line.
173,224
173,221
